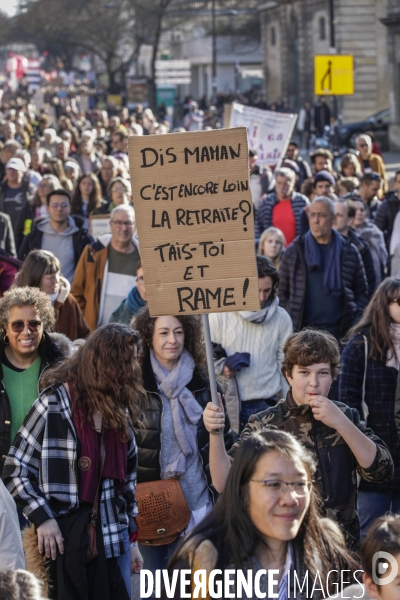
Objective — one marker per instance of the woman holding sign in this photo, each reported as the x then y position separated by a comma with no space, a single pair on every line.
173,450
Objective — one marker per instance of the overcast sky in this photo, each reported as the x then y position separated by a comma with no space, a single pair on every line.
9,6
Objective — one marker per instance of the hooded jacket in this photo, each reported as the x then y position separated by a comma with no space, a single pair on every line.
336,464
69,318
54,348
89,284
33,241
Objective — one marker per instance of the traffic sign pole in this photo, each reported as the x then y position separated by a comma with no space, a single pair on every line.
334,76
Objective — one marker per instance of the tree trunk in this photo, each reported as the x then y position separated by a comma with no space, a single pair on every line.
157,35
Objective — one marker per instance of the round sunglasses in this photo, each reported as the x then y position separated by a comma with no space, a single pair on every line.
33,325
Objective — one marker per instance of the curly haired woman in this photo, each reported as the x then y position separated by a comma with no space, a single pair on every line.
175,444
27,348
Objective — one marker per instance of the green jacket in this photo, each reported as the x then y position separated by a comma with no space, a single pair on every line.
337,466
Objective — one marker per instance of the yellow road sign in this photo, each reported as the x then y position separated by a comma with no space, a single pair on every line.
333,75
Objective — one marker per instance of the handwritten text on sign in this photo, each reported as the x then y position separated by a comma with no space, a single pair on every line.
195,224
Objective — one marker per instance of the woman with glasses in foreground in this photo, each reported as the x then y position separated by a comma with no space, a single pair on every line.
267,518
27,348
367,382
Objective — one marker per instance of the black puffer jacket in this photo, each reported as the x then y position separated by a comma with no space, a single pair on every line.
54,348
149,442
366,256
386,214
293,277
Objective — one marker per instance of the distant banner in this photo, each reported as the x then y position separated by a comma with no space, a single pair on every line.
268,132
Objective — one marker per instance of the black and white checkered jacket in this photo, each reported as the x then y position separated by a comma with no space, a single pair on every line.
41,471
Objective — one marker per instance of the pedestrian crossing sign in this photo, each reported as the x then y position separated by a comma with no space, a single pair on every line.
333,75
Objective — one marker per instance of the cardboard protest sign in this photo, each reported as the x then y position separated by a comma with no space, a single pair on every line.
269,132
195,223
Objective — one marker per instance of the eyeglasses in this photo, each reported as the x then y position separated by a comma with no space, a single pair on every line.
277,488
363,145
313,215
397,301
121,224
120,190
139,279
59,205
33,326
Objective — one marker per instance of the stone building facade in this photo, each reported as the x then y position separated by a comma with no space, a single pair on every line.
293,31
392,23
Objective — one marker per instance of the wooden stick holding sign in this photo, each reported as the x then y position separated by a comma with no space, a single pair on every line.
210,363
195,223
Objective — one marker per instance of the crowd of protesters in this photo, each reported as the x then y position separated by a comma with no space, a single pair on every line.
298,466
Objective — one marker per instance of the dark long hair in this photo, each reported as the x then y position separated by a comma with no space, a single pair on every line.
94,198
192,329
105,376
229,527
376,320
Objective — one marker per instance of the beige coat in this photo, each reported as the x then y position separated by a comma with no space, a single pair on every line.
378,166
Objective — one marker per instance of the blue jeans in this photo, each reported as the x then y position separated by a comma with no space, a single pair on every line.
251,407
157,557
124,561
371,505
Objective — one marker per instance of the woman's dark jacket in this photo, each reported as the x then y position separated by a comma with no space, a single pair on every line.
54,348
380,395
386,214
366,257
149,443
293,283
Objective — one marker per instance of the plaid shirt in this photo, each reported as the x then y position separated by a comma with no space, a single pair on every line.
41,471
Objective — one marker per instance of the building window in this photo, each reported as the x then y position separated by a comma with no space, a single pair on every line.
273,36
322,28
